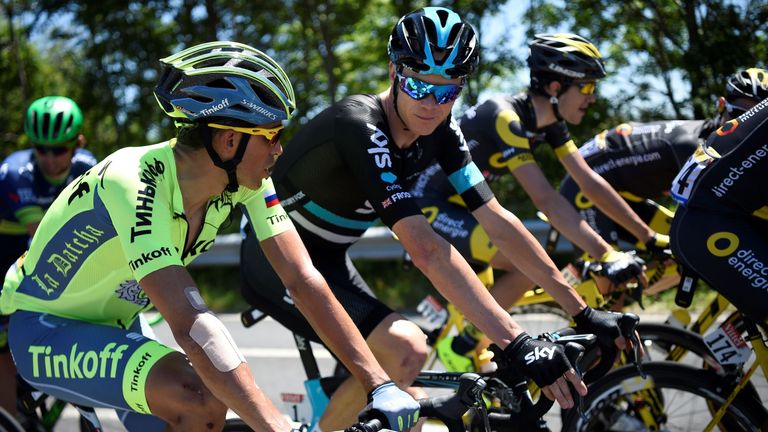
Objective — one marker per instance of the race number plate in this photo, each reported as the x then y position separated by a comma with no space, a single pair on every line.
727,345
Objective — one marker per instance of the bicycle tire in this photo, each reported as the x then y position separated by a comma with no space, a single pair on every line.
663,338
612,402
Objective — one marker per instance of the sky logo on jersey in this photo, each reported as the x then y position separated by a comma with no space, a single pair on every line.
77,364
270,198
380,153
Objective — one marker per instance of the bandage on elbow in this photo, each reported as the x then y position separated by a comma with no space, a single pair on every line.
216,342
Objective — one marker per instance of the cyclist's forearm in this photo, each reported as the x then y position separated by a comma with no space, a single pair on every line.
453,277
238,391
522,248
611,203
337,330
567,220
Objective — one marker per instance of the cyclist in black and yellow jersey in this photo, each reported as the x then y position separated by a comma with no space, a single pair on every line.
502,133
118,238
720,230
640,159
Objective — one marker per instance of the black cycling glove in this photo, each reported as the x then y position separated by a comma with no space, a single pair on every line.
620,267
603,324
543,362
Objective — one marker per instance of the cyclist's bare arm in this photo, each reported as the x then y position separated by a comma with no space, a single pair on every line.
235,388
605,197
313,297
521,247
560,212
447,270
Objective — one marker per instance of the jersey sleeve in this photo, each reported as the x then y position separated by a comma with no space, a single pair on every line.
365,150
463,174
263,209
137,196
559,139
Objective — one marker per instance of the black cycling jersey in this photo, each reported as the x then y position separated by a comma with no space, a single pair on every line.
643,158
721,228
639,160
502,135
338,176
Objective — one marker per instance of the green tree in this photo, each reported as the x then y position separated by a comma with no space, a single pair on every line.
698,41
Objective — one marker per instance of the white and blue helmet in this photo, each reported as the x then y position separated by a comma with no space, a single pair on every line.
434,40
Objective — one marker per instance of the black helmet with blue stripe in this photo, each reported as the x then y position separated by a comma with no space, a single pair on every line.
224,82
434,40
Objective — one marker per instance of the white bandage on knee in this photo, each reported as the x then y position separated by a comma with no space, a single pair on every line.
216,342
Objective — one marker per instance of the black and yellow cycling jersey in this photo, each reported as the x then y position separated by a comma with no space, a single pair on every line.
720,230
502,135
639,160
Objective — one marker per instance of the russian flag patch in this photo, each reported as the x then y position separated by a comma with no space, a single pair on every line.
270,198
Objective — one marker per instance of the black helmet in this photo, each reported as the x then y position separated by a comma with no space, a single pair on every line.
750,83
434,40
567,55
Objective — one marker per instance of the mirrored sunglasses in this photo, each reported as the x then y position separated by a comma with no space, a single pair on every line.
418,89
271,134
586,88
733,110
51,150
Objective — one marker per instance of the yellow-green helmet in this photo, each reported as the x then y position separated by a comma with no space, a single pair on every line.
53,121
224,82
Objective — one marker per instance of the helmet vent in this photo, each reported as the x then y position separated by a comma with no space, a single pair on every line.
442,14
57,123
46,123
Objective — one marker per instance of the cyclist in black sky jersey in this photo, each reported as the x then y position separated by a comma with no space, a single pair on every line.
502,133
354,163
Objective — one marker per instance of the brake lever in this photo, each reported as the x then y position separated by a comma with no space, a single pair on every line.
627,325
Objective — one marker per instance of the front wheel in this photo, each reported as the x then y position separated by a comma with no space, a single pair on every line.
671,397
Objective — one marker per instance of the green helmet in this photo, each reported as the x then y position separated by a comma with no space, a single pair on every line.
53,120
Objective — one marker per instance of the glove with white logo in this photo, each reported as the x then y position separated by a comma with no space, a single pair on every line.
394,407
603,324
541,361
619,267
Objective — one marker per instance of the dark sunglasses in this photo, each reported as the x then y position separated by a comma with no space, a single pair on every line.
586,88
51,150
418,89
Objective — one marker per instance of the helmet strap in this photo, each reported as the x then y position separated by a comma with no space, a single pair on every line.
555,102
229,166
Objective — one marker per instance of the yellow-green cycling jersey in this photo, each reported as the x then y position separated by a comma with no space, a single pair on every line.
121,220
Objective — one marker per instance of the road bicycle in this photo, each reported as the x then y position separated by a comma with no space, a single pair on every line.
721,394
503,394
